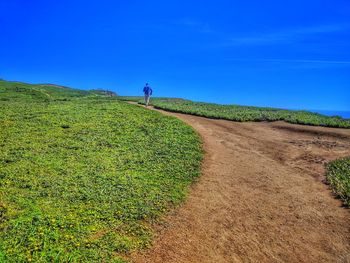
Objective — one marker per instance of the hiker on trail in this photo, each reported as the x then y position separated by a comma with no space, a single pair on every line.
147,90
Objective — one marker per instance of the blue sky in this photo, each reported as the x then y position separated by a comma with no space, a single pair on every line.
289,54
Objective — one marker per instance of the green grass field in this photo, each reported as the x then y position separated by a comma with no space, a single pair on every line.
244,113
338,176
82,176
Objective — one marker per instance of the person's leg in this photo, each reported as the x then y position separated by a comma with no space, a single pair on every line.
148,97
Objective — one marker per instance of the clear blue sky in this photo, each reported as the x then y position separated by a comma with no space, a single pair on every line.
290,54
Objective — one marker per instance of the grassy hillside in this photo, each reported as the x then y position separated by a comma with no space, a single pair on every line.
245,113
10,91
82,176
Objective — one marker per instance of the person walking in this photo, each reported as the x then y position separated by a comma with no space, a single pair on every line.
147,90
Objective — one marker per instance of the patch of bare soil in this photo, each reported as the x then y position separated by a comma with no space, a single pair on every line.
261,198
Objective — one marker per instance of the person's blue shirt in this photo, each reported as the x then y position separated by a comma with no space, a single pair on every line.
147,90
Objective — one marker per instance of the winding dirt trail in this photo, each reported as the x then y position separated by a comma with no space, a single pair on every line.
260,198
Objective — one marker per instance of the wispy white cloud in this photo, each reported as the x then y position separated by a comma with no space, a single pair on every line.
188,22
202,27
287,36
322,29
277,63
313,61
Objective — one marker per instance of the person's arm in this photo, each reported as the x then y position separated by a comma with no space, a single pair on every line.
151,91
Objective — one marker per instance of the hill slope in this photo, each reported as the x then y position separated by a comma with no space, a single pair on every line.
82,176
10,90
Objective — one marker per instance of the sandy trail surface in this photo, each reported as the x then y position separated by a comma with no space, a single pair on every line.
261,197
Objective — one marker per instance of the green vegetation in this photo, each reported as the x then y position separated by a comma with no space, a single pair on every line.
338,175
131,98
82,176
103,92
140,99
244,113
17,91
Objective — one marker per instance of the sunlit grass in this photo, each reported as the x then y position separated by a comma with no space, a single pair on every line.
83,176
244,113
338,175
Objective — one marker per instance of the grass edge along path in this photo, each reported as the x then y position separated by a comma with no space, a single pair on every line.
337,172
338,176
244,113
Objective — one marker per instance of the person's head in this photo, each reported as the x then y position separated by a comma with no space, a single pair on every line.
146,84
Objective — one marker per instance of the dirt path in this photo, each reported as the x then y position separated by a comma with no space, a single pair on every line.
260,198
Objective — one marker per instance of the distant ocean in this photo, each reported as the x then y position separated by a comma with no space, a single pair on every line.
344,114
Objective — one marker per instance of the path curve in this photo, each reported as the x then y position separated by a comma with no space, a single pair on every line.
260,197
